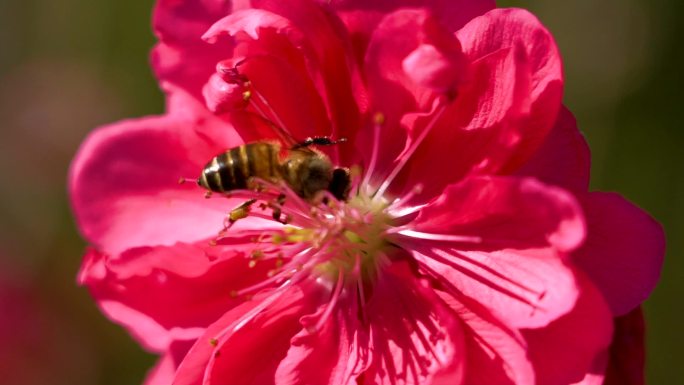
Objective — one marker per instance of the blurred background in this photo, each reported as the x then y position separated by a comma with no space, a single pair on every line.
68,66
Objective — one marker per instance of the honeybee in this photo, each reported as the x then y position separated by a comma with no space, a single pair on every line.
304,169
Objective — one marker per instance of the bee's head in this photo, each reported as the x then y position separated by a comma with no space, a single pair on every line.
315,175
340,184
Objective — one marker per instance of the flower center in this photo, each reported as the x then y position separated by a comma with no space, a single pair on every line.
355,237
330,240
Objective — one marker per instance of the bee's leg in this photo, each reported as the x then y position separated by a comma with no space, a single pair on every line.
238,213
277,212
277,206
318,141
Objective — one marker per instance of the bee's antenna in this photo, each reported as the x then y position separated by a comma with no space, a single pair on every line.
318,141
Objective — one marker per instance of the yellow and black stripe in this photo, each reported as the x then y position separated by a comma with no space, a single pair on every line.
232,169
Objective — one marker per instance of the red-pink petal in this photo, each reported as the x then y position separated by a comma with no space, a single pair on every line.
564,351
290,71
624,250
495,353
501,241
335,353
181,59
164,371
393,79
502,113
428,67
291,94
501,28
124,182
563,159
186,20
524,288
506,212
144,288
414,336
452,13
596,375
222,96
320,36
252,354
192,369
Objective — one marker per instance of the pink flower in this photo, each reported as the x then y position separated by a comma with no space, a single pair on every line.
468,250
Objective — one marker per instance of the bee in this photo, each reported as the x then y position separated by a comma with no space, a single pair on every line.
305,170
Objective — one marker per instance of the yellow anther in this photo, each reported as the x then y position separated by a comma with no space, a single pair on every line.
353,237
379,118
355,171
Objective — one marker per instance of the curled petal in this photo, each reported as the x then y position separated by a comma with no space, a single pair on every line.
222,96
251,23
430,68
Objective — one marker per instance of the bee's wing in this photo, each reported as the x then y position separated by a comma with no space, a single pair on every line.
283,134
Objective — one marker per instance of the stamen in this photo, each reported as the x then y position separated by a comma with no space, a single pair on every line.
378,122
279,126
521,297
360,290
240,323
497,274
400,213
331,305
434,237
263,284
417,189
247,317
404,159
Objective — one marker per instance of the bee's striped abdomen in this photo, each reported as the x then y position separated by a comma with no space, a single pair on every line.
232,169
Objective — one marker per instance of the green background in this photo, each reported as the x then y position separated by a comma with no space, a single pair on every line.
68,66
